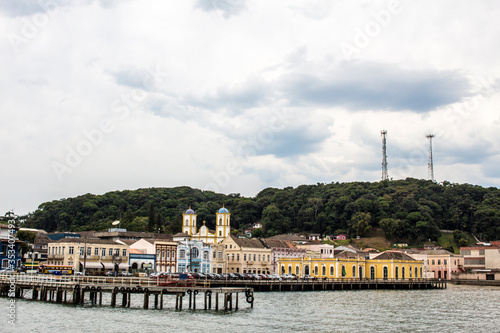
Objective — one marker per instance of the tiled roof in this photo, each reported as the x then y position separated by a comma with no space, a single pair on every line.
248,242
85,240
286,237
393,255
275,243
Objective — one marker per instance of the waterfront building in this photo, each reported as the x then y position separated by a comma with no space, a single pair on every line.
193,256
88,254
388,265
10,257
222,226
481,262
438,263
218,260
142,255
166,256
245,255
282,249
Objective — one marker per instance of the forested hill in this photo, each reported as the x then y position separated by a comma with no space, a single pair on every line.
407,210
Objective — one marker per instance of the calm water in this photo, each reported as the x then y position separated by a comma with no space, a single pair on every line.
456,309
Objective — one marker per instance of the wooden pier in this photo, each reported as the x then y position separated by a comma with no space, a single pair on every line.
332,284
90,290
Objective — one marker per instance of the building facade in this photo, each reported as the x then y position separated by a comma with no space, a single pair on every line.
88,255
385,266
193,256
245,255
166,256
10,256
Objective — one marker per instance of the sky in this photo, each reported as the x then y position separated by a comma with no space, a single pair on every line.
235,96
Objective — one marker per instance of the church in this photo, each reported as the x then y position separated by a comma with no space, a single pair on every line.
222,228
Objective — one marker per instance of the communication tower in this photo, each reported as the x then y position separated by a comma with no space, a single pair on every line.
385,174
430,164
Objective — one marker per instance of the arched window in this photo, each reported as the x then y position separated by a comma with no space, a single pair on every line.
306,270
416,272
439,261
396,272
220,233
343,271
372,272
403,272
360,269
433,262
187,222
220,221
421,275
323,270
332,271
386,272
297,270
315,270
409,271
282,270
353,271
290,269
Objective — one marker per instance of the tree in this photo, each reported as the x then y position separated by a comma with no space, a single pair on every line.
360,223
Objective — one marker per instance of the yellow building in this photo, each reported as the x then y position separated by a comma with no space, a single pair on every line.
245,255
222,226
388,265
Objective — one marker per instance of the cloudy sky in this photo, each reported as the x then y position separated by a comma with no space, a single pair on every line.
238,95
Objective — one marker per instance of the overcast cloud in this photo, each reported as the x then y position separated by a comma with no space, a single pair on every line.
236,96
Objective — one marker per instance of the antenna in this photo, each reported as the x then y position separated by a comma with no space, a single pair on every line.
385,174
430,164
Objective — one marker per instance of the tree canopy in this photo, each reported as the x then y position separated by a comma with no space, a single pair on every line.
410,210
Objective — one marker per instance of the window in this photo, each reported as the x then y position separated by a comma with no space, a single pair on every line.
245,257
268,257
238,257
409,271
421,272
297,270
323,271
215,255
82,251
182,254
124,252
254,257
117,252
416,272
433,262
396,272
168,254
110,252
386,272
290,270
173,254
445,262
232,257
353,271
71,250
220,254
343,271
439,261
163,253
195,253
205,255
372,272
89,251
96,251
259,257
332,270
481,252
63,250
403,273
316,270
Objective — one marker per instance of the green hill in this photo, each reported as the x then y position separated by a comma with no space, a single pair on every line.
410,211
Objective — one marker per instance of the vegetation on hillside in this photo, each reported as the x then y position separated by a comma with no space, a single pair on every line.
410,210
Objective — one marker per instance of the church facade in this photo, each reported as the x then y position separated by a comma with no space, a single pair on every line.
222,226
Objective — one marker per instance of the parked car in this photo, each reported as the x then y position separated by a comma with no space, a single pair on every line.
126,273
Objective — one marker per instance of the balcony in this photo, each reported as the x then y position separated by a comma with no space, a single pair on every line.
56,257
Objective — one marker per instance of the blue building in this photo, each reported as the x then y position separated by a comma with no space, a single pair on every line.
10,256
193,256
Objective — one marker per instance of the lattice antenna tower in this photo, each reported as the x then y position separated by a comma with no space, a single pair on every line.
385,174
430,164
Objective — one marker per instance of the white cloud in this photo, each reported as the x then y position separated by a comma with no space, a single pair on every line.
240,95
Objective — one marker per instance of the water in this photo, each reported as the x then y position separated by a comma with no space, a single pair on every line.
456,309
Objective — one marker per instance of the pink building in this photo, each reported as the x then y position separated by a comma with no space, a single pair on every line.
341,237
